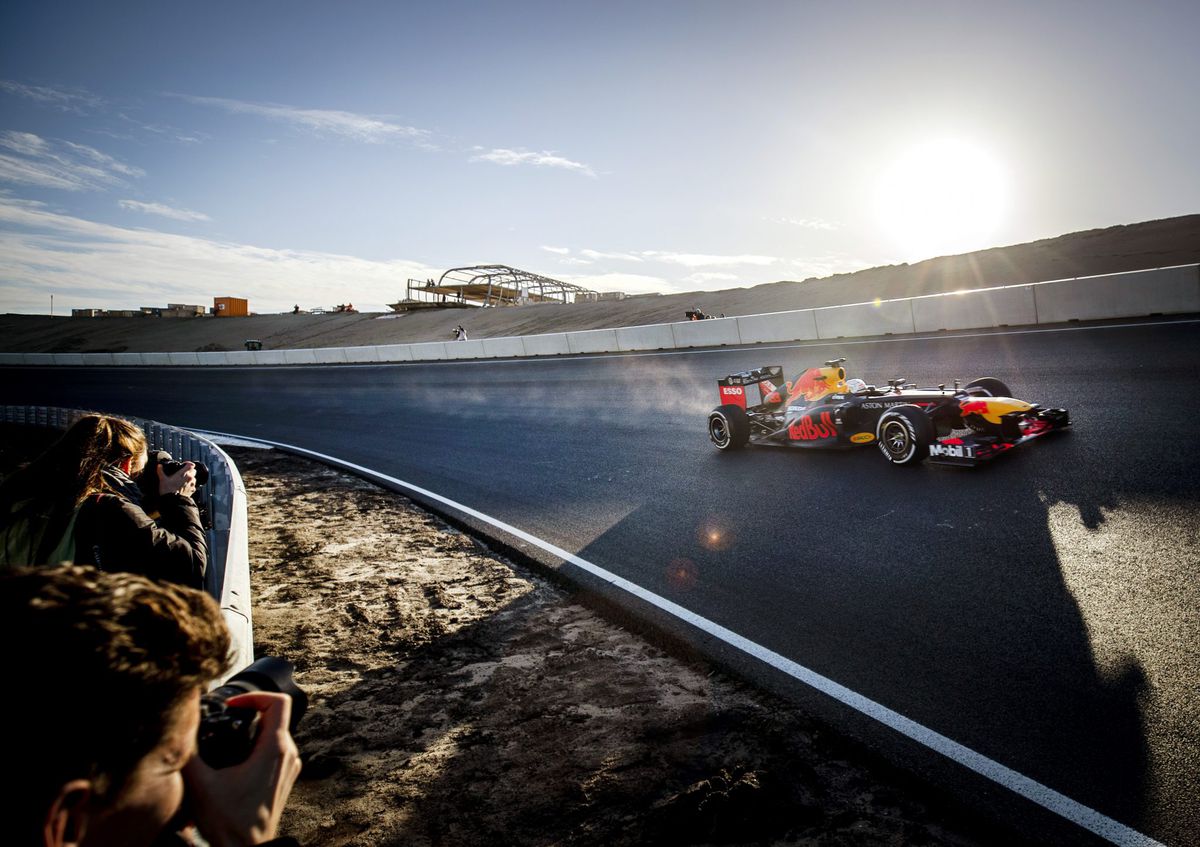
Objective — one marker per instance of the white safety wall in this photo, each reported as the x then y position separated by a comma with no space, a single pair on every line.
1163,291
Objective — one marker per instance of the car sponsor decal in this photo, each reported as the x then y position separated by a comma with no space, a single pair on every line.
863,437
953,451
734,394
904,402
811,428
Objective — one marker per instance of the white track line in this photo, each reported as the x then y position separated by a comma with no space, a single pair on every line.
1112,831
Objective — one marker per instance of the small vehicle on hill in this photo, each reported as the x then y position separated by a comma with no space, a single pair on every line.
822,409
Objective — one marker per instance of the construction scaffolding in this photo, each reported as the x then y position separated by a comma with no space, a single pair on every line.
489,285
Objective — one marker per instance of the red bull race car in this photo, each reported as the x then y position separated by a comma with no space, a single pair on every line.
822,409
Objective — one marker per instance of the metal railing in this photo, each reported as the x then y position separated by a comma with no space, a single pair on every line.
227,577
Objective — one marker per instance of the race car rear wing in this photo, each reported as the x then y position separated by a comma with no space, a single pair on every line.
769,380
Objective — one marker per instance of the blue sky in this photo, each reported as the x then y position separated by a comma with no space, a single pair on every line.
319,153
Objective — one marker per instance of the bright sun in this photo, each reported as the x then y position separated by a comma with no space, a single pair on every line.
942,197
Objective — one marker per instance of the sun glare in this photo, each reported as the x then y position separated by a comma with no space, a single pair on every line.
942,197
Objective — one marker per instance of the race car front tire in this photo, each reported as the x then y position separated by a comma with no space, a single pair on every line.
904,434
728,427
988,386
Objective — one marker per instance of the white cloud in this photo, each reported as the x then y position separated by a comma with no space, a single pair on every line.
34,160
624,257
545,159
561,251
356,127
701,260
76,101
163,211
92,265
806,223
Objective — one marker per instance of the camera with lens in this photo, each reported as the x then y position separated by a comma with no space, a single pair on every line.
171,466
148,481
227,733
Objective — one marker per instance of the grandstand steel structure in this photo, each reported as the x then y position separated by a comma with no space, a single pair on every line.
489,285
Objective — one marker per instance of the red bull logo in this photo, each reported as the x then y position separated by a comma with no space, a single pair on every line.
815,383
812,428
992,408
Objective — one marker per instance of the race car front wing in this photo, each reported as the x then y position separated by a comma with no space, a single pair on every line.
973,449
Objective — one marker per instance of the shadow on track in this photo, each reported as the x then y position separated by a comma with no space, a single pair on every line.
936,592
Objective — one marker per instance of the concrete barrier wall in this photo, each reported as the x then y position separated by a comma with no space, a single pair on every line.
1165,291
651,337
592,341
331,355
362,354
395,352
551,344
711,333
300,357
778,326
996,307
464,349
430,350
269,357
889,317
503,348
1169,291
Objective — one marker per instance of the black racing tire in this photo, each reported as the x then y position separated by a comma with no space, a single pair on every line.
729,427
988,386
904,434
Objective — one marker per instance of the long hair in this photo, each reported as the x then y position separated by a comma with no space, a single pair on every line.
39,502
72,468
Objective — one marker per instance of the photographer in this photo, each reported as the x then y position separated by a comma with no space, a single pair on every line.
99,747
80,501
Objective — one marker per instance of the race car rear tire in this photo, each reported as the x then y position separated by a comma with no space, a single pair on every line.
989,386
728,427
904,434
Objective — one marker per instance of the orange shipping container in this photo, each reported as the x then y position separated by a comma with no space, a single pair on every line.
231,307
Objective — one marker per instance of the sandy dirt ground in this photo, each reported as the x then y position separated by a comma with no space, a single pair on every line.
1152,244
458,698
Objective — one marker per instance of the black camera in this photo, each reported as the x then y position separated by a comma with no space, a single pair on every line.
227,733
171,466
148,479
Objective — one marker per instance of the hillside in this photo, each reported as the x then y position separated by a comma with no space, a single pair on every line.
1152,244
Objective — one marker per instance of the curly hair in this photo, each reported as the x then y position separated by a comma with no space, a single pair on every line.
104,660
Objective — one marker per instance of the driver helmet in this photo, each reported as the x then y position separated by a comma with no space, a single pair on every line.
856,385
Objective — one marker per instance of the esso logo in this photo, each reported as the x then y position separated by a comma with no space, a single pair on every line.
732,390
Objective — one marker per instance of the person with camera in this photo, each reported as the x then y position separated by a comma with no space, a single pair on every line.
101,746
81,501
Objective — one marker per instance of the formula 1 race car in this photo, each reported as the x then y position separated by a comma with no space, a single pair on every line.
822,409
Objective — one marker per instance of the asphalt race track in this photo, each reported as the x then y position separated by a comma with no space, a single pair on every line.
1041,610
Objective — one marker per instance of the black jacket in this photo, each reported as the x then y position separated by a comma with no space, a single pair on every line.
114,533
